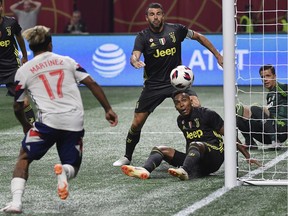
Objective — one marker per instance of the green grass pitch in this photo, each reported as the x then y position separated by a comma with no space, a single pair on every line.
101,189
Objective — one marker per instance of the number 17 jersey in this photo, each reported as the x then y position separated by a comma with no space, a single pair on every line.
52,82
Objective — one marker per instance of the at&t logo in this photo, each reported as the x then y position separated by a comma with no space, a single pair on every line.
109,60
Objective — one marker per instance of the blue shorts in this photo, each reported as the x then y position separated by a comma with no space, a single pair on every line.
41,138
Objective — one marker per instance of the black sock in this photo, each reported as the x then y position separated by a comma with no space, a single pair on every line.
154,160
268,124
29,113
132,139
191,161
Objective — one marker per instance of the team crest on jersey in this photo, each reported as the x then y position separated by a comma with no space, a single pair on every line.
162,41
152,45
8,29
172,36
151,40
189,125
197,123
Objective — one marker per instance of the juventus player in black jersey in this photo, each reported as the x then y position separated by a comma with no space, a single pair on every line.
161,47
268,125
9,59
203,130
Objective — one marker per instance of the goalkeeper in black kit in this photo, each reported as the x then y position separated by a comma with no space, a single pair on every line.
203,130
268,125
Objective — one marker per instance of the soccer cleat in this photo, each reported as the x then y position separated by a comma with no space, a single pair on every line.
12,208
62,181
276,145
138,172
179,172
122,161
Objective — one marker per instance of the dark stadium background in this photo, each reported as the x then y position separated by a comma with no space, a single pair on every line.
127,16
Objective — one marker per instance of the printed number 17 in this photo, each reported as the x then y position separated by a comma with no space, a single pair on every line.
47,85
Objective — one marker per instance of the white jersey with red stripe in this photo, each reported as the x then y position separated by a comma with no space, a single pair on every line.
52,81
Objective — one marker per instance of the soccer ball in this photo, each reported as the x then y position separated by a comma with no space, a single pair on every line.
181,77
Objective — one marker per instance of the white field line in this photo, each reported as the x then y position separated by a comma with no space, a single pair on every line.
218,193
201,203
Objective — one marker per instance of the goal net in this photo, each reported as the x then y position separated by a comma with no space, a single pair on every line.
261,38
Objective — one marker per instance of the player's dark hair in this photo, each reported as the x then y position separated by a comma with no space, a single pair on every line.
41,46
267,67
176,92
1,1
154,5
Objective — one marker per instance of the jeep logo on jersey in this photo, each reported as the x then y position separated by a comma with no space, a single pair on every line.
109,60
5,43
162,53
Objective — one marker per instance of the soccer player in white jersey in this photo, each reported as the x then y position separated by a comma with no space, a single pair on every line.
52,81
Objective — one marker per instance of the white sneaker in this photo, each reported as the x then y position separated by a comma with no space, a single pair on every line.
277,145
274,146
62,186
122,161
179,172
138,172
12,208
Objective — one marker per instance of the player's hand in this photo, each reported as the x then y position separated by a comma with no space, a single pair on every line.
139,64
254,161
136,63
112,118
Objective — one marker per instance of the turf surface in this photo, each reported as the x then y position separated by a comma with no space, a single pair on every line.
101,189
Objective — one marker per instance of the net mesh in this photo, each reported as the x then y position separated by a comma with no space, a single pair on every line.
261,38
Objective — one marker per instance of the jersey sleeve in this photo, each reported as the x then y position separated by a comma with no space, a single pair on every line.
139,42
80,72
16,27
20,82
183,30
214,120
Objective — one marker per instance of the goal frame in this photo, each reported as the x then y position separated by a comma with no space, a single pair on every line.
228,11
229,70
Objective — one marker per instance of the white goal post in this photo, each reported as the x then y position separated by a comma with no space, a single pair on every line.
229,92
266,44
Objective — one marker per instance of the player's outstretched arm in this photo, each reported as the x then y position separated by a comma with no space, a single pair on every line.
98,92
243,150
206,43
246,154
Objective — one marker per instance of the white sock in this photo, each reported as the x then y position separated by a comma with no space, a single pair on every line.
17,190
69,170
